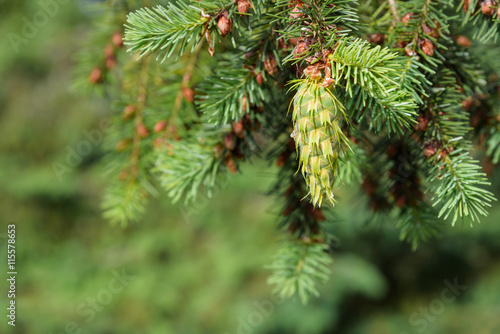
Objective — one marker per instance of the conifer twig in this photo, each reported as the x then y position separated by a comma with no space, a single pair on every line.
394,9
141,101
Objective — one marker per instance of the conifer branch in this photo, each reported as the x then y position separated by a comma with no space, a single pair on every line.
457,187
297,266
184,170
165,29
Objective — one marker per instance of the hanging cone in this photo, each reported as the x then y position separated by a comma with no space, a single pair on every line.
319,140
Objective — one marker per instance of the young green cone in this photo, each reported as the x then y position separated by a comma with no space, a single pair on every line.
319,140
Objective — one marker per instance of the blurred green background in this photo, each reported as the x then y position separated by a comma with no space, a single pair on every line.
204,274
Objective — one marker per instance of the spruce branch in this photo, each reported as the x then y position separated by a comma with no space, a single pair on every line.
485,15
148,30
394,9
228,94
297,266
124,202
418,224
457,186
356,63
185,169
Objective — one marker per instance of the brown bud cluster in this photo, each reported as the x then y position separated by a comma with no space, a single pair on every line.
142,130
488,7
297,12
225,24
433,32
123,144
463,41
369,186
313,72
95,76
128,112
407,18
405,183
188,94
160,126
117,39
377,38
422,123
243,6
468,104
230,148
259,78
427,46
270,65
431,148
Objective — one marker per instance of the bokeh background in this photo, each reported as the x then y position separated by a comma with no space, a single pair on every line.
204,273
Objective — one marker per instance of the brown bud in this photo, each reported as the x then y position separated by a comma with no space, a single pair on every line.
487,7
392,150
230,141
466,5
422,123
244,103
316,213
225,24
400,201
282,158
313,72
142,130
300,49
231,165
475,120
328,82
218,150
158,142
401,44
430,149
297,11
128,112
188,94
172,132
238,129
110,62
109,51
427,47
426,29
259,78
435,31
488,166
463,41
281,44
369,186
160,126
443,154
117,39
468,104
122,144
410,52
95,76
123,174
498,12
288,210
244,6
406,18
377,38
270,64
